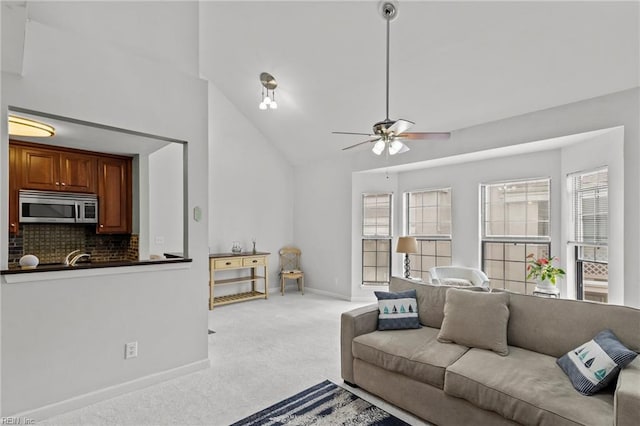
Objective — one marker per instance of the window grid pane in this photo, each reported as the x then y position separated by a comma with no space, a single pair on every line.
430,253
376,215
505,263
376,261
429,213
516,210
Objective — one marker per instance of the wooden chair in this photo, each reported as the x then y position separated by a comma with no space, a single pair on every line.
290,267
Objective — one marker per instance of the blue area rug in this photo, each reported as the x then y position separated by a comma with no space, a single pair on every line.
322,404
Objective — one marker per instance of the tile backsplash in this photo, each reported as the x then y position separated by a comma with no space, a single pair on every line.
52,242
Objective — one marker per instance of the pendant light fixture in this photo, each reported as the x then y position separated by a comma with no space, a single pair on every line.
20,126
268,82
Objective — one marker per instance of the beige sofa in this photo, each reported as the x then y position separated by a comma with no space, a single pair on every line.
450,384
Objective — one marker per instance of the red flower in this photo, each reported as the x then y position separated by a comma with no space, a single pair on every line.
543,261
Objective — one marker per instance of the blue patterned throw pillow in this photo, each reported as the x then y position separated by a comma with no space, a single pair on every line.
595,364
397,310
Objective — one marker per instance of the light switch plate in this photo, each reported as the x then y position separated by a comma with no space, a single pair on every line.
131,350
197,214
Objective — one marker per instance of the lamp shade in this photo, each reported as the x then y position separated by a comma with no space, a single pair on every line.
407,245
378,147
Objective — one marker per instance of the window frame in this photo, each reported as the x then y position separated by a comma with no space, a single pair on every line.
575,236
423,235
539,240
376,237
437,239
577,239
510,238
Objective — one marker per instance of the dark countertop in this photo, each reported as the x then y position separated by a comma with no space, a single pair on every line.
90,265
244,253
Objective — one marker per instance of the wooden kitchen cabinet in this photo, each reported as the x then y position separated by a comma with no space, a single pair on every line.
39,168
56,170
77,172
13,191
48,168
114,195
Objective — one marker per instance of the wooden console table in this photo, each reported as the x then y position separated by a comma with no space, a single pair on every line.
230,261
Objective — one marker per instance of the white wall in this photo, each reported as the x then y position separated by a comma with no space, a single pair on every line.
251,187
323,225
328,179
64,338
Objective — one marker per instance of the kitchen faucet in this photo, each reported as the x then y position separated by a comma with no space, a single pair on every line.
78,257
65,262
69,261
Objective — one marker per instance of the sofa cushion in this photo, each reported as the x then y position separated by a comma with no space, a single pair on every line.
397,310
477,320
526,387
574,322
596,363
430,297
415,353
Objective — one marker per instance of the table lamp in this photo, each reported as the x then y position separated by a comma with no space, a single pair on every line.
407,245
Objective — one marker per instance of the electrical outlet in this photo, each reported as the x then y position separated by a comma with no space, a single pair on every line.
159,240
130,350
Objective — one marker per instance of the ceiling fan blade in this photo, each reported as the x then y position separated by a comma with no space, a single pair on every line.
400,126
361,143
351,133
425,135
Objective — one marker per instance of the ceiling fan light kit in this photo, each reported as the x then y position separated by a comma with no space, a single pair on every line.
21,126
268,82
388,134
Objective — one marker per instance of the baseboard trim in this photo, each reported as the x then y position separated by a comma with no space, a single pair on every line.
81,401
326,293
363,299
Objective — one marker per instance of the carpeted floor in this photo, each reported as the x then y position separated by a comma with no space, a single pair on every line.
262,352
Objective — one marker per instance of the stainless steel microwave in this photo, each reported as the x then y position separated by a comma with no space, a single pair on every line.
57,207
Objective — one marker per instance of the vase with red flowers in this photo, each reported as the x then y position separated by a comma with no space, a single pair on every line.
542,270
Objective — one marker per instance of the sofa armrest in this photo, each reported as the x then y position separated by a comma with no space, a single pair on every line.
352,324
626,400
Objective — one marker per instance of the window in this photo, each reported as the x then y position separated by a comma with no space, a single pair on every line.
429,213
590,233
428,216
376,239
505,263
515,223
516,209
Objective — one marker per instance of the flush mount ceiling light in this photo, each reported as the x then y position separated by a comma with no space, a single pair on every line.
20,126
268,82
389,133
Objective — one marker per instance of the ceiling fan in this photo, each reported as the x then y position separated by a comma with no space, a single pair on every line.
388,134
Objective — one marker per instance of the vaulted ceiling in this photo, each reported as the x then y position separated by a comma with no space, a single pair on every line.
453,64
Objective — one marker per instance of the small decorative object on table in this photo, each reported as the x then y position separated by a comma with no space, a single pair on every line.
236,247
253,240
546,275
29,261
